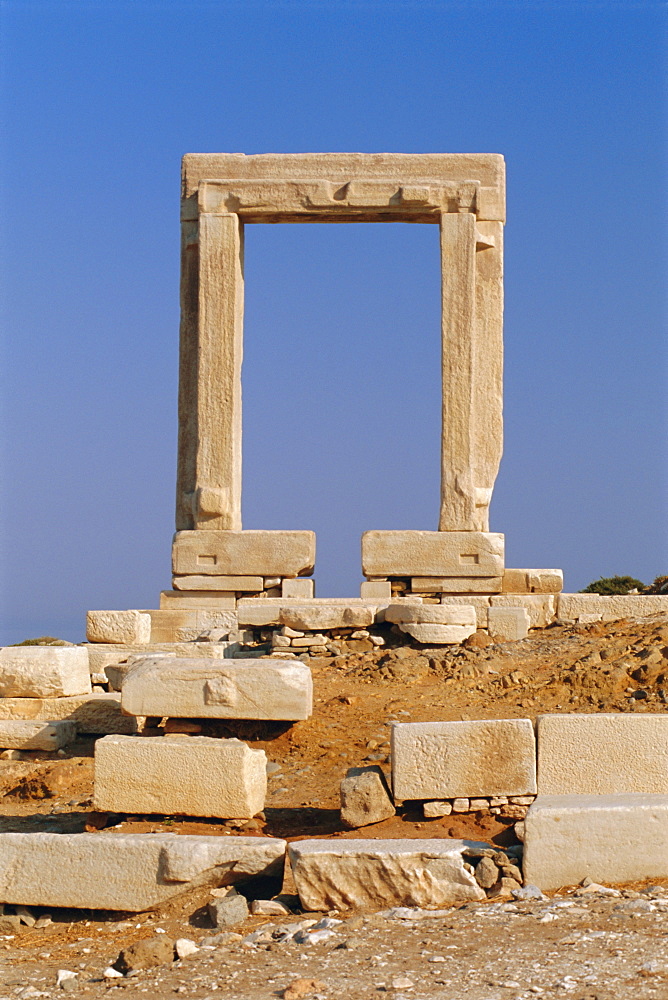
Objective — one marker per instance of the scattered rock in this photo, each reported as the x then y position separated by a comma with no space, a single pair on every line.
146,954
299,988
486,873
228,911
269,908
185,947
365,797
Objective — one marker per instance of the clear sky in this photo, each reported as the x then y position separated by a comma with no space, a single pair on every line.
341,372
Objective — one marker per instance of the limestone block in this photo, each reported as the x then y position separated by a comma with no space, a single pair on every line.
172,625
376,588
365,797
431,614
196,600
195,776
602,754
533,581
608,838
226,584
541,607
439,635
371,874
456,584
508,624
479,601
118,626
571,607
102,655
184,688
92,713
434,809
16,734
131,872
251,553
301,587
447,760
43,671
432,553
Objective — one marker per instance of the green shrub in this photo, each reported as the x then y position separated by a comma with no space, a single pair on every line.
614,585
44,640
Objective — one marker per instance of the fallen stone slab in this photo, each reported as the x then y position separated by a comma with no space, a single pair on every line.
448,760
572,607
177,776
431,614
371,874
96,714
184,688
43,671
602,754
365,797
608,838
438,635
102,655
118,626
243,553
132,872
17,734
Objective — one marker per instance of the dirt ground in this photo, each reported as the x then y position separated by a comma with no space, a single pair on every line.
593,946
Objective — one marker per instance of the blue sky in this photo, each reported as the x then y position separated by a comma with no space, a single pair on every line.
341,371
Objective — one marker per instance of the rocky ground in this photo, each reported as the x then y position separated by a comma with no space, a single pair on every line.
592,944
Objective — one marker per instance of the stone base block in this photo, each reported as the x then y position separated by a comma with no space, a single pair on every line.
602,754
197,600
16,734
43,671
533,581
432,553
438,635
244,553
92,713
447,760
508,624
371,874
174,625
184,688
118,626
608,838
179,776
575,607
540,607
127,872
226,584
456,584
431,614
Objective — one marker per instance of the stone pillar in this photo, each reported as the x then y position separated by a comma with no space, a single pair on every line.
210,376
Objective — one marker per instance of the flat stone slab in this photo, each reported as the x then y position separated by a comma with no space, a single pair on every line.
243,553
571,607
602,754
180,776
185,688
96,714
131,872
372,874
432,553
608,838
447,760
17,734
43,671
306,614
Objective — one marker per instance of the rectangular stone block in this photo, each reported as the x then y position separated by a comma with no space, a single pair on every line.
128,872
197,600
183,688
456,584
300,587
43,671
92,713
508,624
602,754
447,760
533,581
180,776
306,615
540,607
432,553
376,588
245,553
227,584
16,734
432,614
572,607
172,625
479,601
118,626
370,874
608,838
